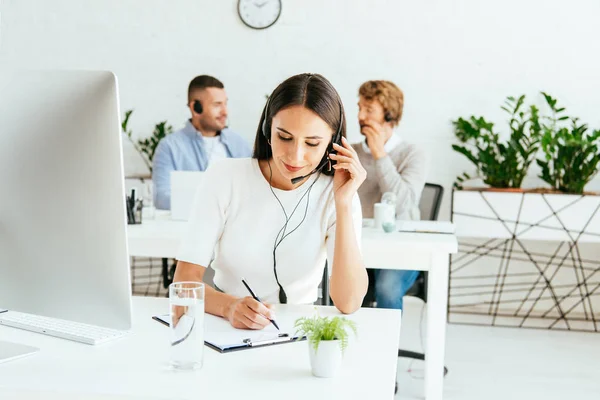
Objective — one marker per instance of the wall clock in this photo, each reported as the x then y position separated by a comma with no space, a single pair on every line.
259,14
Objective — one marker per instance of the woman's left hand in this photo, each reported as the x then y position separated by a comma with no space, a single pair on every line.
349,173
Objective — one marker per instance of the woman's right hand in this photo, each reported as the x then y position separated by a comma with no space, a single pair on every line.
247,313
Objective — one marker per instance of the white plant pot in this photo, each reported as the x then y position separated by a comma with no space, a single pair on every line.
325,362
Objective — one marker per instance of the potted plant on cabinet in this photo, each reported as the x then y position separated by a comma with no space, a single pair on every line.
570,160
327,342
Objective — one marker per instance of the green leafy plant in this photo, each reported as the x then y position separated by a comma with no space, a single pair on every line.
571,152
500,164
146,147
318,328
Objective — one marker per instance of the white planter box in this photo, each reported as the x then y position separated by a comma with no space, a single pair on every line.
526,260
529,216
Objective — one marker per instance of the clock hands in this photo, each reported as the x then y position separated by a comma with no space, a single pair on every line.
260,5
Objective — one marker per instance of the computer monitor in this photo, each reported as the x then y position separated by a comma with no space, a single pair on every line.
63,246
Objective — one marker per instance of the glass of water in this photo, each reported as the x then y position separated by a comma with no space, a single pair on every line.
186,300
149,211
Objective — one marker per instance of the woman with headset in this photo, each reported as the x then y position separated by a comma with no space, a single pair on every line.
275,219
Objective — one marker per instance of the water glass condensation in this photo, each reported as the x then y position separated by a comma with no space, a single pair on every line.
186,301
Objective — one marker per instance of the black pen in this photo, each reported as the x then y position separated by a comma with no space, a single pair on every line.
257,299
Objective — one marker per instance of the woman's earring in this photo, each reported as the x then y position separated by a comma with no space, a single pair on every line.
329,162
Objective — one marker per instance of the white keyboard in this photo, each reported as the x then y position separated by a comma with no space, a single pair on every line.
84,333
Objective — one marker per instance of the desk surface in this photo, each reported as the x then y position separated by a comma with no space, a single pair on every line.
160,237
136,366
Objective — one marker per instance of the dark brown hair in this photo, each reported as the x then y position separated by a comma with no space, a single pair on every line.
202,82
312,91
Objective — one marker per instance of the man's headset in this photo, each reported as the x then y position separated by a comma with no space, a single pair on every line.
337,139
197,107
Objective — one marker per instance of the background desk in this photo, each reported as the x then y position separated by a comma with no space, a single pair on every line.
399,250
137,364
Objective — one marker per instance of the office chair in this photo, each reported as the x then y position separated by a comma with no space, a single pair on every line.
168,273
431,200
324,287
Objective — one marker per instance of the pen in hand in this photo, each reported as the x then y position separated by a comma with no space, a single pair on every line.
257,299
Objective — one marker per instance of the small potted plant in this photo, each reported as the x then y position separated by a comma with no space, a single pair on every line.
327,340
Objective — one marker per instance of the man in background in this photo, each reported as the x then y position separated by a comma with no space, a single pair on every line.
393,165
204,138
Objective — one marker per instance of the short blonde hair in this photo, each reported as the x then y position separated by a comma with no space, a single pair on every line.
388,95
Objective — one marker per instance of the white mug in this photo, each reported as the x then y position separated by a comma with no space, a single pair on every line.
383,213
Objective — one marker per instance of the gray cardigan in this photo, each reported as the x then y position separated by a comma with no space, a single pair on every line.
403,171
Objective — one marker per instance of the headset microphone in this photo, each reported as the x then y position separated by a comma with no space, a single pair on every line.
320,167
298,179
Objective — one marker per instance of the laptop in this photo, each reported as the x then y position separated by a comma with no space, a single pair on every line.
183,190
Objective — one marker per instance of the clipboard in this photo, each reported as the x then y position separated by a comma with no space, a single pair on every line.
235,339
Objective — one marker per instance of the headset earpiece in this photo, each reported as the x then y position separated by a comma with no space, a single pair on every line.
388,117
197,107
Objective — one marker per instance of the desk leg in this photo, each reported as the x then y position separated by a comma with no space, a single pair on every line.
437,303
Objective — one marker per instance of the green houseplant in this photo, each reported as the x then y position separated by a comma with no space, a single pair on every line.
571,151
146,147
327,339
500,164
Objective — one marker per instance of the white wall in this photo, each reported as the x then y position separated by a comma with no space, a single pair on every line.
451,58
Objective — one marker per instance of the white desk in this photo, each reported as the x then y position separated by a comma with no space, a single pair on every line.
423,251
137,365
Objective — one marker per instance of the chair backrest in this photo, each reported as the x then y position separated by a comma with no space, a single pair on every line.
431,201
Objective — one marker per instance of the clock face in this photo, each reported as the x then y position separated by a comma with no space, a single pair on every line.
259,14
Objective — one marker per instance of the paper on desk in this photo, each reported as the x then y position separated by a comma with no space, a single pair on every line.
426,226
219,332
